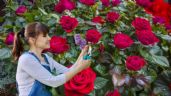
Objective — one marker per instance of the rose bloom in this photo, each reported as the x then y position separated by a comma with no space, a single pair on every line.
81,84
141,24
158,20
93,36
88,2
147,37
10,38
112,17
98,19
101,48
122,41
58,45
21,10
135,63
116,2
143,3
160,8
68,23
105,2
63,5
170,86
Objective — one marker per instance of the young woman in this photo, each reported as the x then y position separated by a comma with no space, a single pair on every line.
34,68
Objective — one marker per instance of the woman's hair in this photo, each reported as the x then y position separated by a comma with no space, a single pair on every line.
31,30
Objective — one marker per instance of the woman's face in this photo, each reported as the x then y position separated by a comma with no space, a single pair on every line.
42,42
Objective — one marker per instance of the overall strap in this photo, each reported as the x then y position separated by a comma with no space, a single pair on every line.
46,60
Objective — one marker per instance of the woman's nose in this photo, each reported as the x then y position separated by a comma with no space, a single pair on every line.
49,37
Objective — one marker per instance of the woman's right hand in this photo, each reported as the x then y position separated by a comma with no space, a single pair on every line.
81,63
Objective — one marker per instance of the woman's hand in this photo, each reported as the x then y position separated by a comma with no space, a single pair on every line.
81,63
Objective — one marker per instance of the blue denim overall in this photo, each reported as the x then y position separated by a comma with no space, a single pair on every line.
38,88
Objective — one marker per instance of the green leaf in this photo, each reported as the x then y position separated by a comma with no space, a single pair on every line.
166,37
161,60
101,69
51,22
8,26
80,20
43,11
5,53
54,93
162,82
155,50
1,19
29,17
55,16
146,55
93,93
100,82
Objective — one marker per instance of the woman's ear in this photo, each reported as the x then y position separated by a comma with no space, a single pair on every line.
31,40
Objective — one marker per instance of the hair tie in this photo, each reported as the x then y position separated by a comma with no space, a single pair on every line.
21,33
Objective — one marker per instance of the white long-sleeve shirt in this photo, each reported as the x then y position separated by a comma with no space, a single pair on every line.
30,69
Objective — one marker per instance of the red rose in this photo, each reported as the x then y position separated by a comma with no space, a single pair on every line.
141,24
63,5
10,38
59,7
98,19
170,86
135,63
81,84
112,17
168,26
21,10
158,20
105,2
143,3
122,41
58,45
68,4
114,93
93,36
101,48
160,8
88,2
68,23
71,93
146,37
116,2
